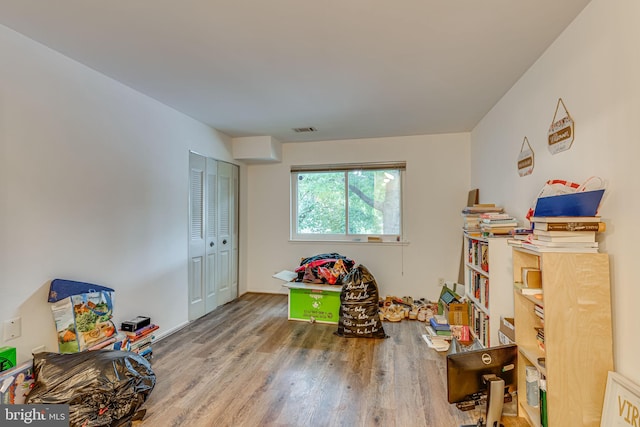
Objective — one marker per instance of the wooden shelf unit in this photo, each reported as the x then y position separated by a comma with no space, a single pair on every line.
495,269
578,346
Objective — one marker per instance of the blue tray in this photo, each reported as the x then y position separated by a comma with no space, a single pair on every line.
584,203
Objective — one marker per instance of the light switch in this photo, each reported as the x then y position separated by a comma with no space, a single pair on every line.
12,328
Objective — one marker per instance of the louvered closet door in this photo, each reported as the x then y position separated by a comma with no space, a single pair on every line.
225,232
211,233
235,257
197,252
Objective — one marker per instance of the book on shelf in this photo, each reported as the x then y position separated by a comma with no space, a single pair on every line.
482,208
438,326
525,290
484,257
495,216
522,230
461,332
147,339
515,242
496,232
520,233
561,219
503,339
565,236
531,277
598,227
143,349
490,223
441,318
539,248
435,343
553,244
435,336
138,334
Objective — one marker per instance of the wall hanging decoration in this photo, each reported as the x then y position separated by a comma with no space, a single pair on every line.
561,131
621,401
525,159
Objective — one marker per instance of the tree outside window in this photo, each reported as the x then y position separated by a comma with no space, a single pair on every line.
347,204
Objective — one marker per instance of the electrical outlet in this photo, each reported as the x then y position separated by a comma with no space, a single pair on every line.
12,328
441,282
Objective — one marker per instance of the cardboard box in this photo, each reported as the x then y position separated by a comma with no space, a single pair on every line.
508,328
314,303
450,306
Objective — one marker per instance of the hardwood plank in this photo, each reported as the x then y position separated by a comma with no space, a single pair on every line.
245,364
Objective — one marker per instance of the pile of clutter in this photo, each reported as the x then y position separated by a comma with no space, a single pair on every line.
329,269
396,309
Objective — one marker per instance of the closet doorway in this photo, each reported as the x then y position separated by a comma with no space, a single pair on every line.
213,234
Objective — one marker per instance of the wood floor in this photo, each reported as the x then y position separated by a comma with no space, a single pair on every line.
245,364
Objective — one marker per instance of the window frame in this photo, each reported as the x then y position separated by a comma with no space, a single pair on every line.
400,166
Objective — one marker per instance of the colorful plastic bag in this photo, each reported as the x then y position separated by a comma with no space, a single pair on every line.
82,313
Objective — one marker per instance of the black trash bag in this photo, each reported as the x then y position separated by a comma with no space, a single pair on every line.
102,387
359,315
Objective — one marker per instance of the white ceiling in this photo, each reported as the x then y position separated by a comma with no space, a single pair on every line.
350,68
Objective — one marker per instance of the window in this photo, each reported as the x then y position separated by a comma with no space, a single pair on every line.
348,202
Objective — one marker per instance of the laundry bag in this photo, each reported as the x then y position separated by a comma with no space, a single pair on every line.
359,316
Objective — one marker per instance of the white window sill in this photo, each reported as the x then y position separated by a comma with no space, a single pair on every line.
351,242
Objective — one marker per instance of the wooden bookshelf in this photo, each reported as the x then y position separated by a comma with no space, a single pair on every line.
578,346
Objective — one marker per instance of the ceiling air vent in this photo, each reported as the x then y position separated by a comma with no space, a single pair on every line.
307,129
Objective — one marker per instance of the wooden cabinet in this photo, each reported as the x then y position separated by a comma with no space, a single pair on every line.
577,351
488,285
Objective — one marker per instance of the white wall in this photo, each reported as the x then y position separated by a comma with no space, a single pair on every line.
437,184
594,66
93,187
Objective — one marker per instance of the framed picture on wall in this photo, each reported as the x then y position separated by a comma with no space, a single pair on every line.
621,402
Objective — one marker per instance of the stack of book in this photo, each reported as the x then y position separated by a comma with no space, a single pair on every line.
540,338
497,224
565,234
140,340
434,341
520,233
440,325
471,216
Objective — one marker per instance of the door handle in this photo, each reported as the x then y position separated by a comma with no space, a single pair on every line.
224,242
211,244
